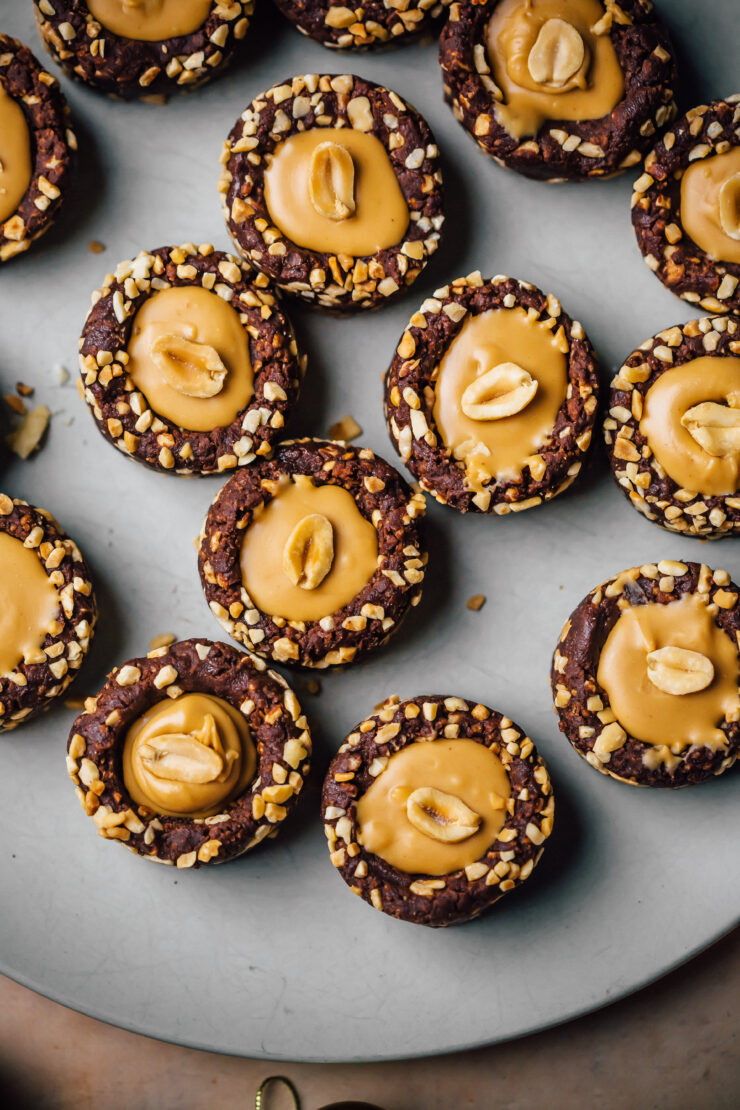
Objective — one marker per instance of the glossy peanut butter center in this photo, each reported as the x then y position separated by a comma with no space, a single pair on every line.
189,356
703,397
334,202
188,756
710,204
550,64
648,712
29,604
15,155
434,777
499,338
308,552
150,20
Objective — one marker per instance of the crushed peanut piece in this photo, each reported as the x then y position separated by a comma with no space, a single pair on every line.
345,429
476,602
29,433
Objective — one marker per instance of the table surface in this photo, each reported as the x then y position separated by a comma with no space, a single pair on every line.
631,1056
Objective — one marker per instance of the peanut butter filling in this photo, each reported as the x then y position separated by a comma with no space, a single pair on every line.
334,190
29,605
691,420
671,674
150,20
15,155
308,552
188,756
436,807
551,60
189,356
498,390
710,204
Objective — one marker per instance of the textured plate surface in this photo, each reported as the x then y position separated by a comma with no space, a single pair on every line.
271,955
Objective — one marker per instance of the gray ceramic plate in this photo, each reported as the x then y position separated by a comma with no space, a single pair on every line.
272,956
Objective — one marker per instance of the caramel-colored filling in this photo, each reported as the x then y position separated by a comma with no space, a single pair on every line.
491,341
470,779
151,20
15,155
307,194
29,604
645,710
550,65
307,572
710,204
667,402
188,756
199,384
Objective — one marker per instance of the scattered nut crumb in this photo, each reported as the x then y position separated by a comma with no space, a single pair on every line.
24,440
23,389
14,403
345,429
476,602
95,246
313,686
77,704
61,373
392,699
164,640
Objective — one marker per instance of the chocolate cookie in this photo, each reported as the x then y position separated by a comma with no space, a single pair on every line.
142,49
47,611
191,755
559,90
685,207
491,396
333,23
673,428
332,188
313,556
435,807
188,363
645,676
36,148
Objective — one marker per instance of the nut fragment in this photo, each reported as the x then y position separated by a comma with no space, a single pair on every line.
501,391
331,181
677,670
729,206
309,551
715,427
183,756
24,440
345,429
557,55
476,602
440,815
192,368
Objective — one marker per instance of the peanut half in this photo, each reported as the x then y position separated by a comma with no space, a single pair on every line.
192,368
331,181
677,670
557,55
441,816
501,391
309,551
729,206
715,427
181,757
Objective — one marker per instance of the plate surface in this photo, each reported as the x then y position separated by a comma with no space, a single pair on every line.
271,956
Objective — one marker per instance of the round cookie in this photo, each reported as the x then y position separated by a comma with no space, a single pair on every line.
559,89
435,807
491,396
191,755
187,362
47,611
673,428
36,148
148,48
686,207
333,23
331,187
645,675
313,556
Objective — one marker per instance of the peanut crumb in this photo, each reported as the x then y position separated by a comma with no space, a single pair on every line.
345,429
313,686
78,704
95,246
28,435
15,404
476,602
23,389
164,640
